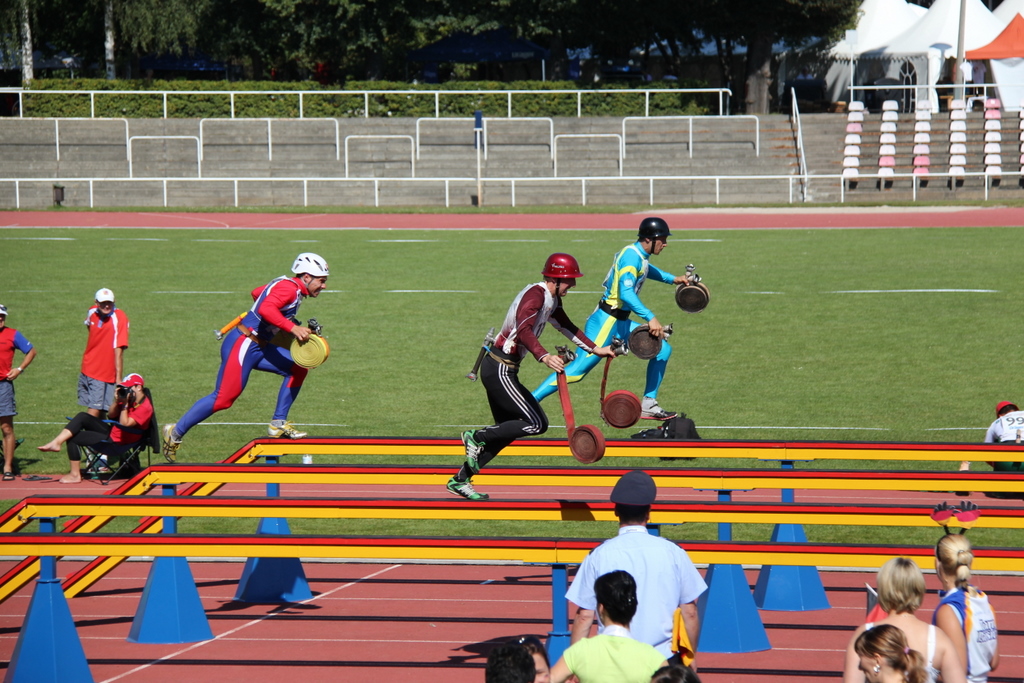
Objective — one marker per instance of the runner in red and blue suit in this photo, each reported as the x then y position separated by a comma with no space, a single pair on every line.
248,347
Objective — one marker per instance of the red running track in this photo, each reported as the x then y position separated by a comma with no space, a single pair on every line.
434,623
682,219
429,623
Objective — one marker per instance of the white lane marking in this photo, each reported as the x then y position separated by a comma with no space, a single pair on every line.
273,613
186,292
399,241
913,291
43,239
430,291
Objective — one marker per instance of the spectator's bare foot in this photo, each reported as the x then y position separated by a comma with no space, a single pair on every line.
68,479
49,448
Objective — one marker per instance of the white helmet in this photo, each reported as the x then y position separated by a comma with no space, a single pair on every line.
311,263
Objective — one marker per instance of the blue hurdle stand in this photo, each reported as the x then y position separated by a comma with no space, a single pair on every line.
48,648
559,636
789,589
170,610
273,580
729,621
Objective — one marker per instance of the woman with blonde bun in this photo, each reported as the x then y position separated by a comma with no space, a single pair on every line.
900,594
964,613
885,657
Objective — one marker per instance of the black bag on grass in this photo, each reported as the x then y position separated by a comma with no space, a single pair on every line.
679,427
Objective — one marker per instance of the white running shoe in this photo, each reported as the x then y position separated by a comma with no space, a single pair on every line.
285,430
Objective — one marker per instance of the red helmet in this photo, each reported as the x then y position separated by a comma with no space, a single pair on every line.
1003,405
561,266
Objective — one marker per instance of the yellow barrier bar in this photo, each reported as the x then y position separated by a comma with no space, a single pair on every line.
540,554
584,478
646,449
339,510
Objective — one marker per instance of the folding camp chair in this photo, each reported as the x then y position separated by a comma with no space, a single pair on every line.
98,458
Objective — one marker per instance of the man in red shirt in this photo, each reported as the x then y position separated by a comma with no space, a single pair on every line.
103,360
516,412
10,341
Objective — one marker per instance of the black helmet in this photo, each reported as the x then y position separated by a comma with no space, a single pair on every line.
653,227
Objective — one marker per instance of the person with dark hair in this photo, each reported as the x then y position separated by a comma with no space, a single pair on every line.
613,656
665,577
10,341
1008,427
540,658
516,413
129,415
631,267
509,663
900,593
675,673
885,657
964,613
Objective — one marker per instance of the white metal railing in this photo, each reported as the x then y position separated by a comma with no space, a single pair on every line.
199,150
513,183
618,139
689,120
801,157
412,147
270,135
483,141
723,95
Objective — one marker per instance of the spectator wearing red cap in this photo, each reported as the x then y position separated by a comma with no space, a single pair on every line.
10,341
130,416
1008,427
103,360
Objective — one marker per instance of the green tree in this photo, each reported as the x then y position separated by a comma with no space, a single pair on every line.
762,23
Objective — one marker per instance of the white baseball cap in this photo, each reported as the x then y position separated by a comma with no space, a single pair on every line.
104,294
3,310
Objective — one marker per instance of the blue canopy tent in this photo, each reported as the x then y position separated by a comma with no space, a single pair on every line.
486,47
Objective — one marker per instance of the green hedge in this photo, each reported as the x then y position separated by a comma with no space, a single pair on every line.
610,100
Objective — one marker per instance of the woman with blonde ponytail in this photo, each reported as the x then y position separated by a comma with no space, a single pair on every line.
885,657
964,613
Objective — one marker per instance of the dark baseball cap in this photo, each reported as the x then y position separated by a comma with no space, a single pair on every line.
635,488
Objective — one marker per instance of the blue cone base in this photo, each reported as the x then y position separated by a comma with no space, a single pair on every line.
790,589
170,610
48,648
273,580
729,621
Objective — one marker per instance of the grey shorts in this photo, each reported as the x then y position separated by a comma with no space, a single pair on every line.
93,393
7,405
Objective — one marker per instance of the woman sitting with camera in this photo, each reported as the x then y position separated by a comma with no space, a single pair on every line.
127,422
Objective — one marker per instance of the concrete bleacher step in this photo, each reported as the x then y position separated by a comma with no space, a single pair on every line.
308,149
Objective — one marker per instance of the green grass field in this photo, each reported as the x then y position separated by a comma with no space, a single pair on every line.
791,347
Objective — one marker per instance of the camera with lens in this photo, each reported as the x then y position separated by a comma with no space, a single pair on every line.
123,393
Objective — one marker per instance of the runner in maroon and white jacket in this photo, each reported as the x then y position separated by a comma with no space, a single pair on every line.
516,412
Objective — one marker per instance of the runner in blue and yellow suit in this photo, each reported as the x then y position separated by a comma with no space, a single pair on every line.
629,270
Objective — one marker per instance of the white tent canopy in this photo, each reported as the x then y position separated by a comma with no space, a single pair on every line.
878,22
916,55
1007,9
939,30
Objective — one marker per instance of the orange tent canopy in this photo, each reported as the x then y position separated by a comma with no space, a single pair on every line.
1008,44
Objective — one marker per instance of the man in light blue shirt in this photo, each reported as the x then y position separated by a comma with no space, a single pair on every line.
665,576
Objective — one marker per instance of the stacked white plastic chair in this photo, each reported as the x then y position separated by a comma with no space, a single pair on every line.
887,140
922,138
1021,138
957,139
851,149
993,137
